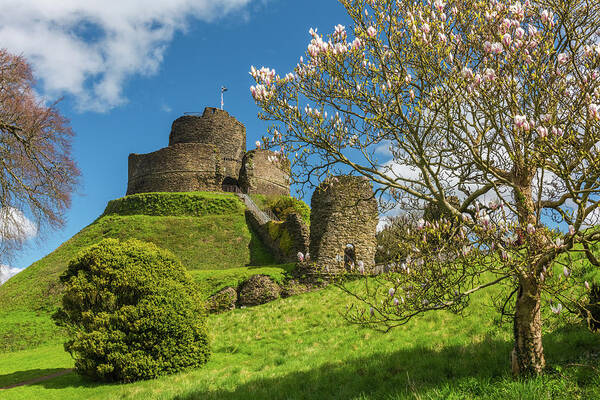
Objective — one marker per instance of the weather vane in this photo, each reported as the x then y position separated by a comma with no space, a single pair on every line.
223,90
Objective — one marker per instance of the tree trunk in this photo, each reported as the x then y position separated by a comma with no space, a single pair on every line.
528,354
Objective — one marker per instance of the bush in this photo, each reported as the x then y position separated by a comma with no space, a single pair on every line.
282,206
132,312
258,289
195,204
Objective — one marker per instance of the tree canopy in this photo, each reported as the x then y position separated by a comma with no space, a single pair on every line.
37,173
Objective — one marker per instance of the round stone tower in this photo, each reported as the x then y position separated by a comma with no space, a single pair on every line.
343,224
265,172
215,127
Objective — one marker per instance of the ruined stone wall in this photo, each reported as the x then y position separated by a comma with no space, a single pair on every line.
284,239
343,212
182,167
262,173
205,153
214,127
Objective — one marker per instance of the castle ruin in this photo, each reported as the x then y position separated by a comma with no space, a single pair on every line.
343,224
208,153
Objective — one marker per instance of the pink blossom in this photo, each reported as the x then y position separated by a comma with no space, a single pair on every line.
407,78
361,267
519,33
507,40
412,94
467,73
533,31
356,44
521,122
442,38
562,58
518,10
542,131
497,48
556,309
594,110
566,272
371,31
439,5
340,30
489,74
425,28
396,301
557,131
547,17
571,230
587,285
530,229
300,256
505,26
487,46
257,143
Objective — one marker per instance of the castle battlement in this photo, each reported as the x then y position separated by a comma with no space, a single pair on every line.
207,153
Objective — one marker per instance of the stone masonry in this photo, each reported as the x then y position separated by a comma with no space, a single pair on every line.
207,153
263,172
343,223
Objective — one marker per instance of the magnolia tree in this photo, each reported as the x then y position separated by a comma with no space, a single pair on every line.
494,104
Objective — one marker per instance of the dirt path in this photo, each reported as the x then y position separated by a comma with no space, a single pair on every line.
38,379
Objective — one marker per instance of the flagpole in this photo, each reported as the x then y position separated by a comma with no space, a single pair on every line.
223,90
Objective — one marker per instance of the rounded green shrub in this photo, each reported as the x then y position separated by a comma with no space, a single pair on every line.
282,206
132,312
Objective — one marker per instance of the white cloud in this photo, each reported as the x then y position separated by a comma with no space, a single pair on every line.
7,272
14,225
89,48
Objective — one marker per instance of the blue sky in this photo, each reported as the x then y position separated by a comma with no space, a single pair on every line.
125,73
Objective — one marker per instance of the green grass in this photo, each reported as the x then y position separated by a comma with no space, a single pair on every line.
211,281
300,348
207,242
26,329
195,204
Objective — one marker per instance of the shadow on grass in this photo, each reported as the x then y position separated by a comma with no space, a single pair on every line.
259,253
471,371
465,371
22,376
51,378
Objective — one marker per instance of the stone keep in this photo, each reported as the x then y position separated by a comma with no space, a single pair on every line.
263,172
343,224
207,153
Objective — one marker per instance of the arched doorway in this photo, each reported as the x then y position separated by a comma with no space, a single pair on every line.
349,256
230,184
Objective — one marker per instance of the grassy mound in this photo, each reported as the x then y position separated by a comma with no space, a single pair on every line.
207,231
300,348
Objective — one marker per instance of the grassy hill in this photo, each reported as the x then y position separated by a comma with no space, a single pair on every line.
300,348
294,348
207,231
